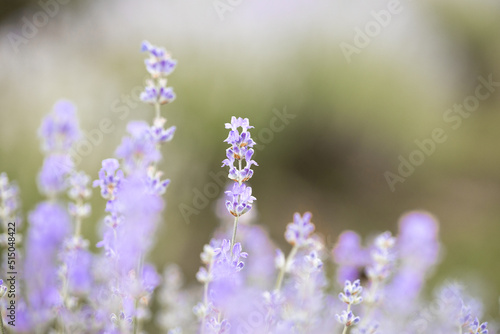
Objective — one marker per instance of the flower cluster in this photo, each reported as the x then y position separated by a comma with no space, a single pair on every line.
239,197
351,296
159,64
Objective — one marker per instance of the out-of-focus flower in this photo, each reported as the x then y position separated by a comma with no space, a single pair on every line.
299,231
60,129
160,63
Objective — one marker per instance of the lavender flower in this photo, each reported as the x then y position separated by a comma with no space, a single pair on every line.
347,319
52,177
42,247
60,129
160,63
139,150
157,93
110,178
350,256
417,247
240,150
159,133
239,198
298,233
352,293
351,296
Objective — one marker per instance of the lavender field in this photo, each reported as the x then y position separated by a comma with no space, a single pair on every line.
250,167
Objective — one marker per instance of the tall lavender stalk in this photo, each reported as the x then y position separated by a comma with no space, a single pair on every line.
133,189
239,197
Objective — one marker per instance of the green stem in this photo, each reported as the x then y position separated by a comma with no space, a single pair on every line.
281,274
157,110
235,228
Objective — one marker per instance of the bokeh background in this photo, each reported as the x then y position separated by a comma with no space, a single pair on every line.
352,119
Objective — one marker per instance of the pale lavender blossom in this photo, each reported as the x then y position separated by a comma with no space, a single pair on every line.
52,177
299,231
350,256
157,93
60,129
159,63
139,150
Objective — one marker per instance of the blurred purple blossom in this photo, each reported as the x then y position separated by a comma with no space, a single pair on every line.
60,129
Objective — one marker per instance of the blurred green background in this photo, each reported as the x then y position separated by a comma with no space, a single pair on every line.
352,119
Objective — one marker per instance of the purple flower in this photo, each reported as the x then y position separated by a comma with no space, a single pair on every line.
238,122
156,185
110,178
418,241
78,263
350,256
382,257
239,199
59,130
139,150
49,225
347,318
352,293
160,63
298,232
78,186
141,212
478,328
157,94
241,149
159,133
52,177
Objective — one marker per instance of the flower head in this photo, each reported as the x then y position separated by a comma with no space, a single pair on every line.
159,63
110,178
240,150
239,199
157,93
59,129
352,293
347,318
299,231
52,177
